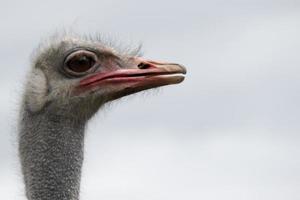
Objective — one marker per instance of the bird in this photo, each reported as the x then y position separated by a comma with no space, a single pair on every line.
71,78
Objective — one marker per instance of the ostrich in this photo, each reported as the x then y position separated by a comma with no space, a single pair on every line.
70,79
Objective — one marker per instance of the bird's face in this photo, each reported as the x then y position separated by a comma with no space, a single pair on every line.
79,76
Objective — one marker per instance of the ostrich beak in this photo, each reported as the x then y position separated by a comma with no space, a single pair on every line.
145,74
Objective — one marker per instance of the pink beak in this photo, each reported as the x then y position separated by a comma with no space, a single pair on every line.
147,74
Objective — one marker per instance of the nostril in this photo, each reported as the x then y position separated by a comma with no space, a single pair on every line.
144,65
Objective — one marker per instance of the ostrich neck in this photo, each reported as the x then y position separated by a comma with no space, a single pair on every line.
51,152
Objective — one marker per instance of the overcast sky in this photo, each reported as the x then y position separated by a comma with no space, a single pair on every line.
230,131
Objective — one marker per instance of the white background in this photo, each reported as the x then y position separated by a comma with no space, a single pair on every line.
230,131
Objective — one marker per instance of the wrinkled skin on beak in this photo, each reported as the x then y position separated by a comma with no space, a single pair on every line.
144,74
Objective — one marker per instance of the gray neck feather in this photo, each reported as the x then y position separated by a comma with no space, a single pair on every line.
51,153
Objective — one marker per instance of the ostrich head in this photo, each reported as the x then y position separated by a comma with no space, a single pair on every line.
74,76
71,78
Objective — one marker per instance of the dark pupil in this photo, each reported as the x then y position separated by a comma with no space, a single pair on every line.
81,64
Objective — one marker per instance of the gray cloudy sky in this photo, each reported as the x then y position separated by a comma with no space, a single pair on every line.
230,131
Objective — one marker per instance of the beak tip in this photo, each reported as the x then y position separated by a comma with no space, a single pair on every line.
182,69
179,79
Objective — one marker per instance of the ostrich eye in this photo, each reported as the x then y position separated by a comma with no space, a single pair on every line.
80,63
